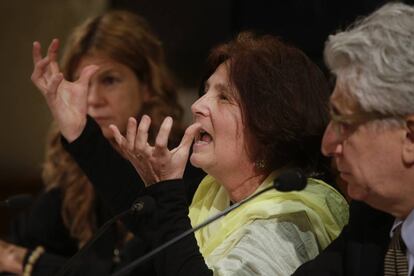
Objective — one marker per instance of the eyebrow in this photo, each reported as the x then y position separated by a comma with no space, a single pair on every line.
103,72
222,88
109,71
334,109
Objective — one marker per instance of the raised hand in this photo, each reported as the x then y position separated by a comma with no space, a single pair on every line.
154,163
67,100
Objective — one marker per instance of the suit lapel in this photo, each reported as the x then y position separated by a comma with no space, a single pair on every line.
369,240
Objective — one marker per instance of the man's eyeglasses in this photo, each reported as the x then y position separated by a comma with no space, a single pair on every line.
346,124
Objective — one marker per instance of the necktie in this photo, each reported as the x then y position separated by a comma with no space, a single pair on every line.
395,262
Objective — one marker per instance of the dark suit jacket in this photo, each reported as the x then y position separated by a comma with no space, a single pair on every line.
359,249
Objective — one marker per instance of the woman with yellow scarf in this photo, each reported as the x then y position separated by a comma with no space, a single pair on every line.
263,109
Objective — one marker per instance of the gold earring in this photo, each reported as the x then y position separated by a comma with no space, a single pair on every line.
260,164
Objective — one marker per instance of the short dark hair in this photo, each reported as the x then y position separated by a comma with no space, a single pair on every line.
283,97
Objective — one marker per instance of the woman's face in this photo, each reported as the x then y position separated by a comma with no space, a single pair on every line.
220,147
115,93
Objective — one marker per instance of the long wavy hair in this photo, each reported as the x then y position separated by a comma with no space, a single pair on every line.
126,38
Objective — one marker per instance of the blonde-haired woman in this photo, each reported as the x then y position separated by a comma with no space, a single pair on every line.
132,80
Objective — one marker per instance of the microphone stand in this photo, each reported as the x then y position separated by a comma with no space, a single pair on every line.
136,207
17,201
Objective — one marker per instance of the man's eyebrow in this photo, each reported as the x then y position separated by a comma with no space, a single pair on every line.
334,109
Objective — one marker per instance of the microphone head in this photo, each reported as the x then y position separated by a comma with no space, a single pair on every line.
290,180
143,205
17,201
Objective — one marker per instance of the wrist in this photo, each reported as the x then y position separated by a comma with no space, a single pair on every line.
71,134
32,258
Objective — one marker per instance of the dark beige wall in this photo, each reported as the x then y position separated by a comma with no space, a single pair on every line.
24,117
23,114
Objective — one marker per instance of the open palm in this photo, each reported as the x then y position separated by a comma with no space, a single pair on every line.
66,100
154,163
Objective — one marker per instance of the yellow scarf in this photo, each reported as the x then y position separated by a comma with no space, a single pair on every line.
326,209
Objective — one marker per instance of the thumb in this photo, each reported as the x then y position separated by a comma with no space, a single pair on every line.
189,135
87,73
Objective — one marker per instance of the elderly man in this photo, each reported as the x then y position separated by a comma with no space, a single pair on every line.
371,138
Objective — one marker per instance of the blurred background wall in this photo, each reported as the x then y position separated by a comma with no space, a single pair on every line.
188,30
24,117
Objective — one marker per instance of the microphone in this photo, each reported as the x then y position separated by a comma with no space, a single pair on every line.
143,205
17,201
289,180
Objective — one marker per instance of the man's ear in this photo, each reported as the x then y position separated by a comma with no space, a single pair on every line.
408,146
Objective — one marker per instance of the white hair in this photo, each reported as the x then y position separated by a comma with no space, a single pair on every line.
374,59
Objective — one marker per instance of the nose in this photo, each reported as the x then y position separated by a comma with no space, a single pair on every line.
331,142
200,106
94,97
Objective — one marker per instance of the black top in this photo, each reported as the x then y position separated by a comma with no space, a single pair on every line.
117,185
113,177
121,186
359,249
43,225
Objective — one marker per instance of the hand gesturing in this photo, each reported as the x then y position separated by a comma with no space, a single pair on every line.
66,100
155,163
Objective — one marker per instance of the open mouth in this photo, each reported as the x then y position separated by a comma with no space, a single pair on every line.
203,137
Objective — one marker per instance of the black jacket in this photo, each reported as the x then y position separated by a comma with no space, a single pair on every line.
118,184
43,225
358,250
